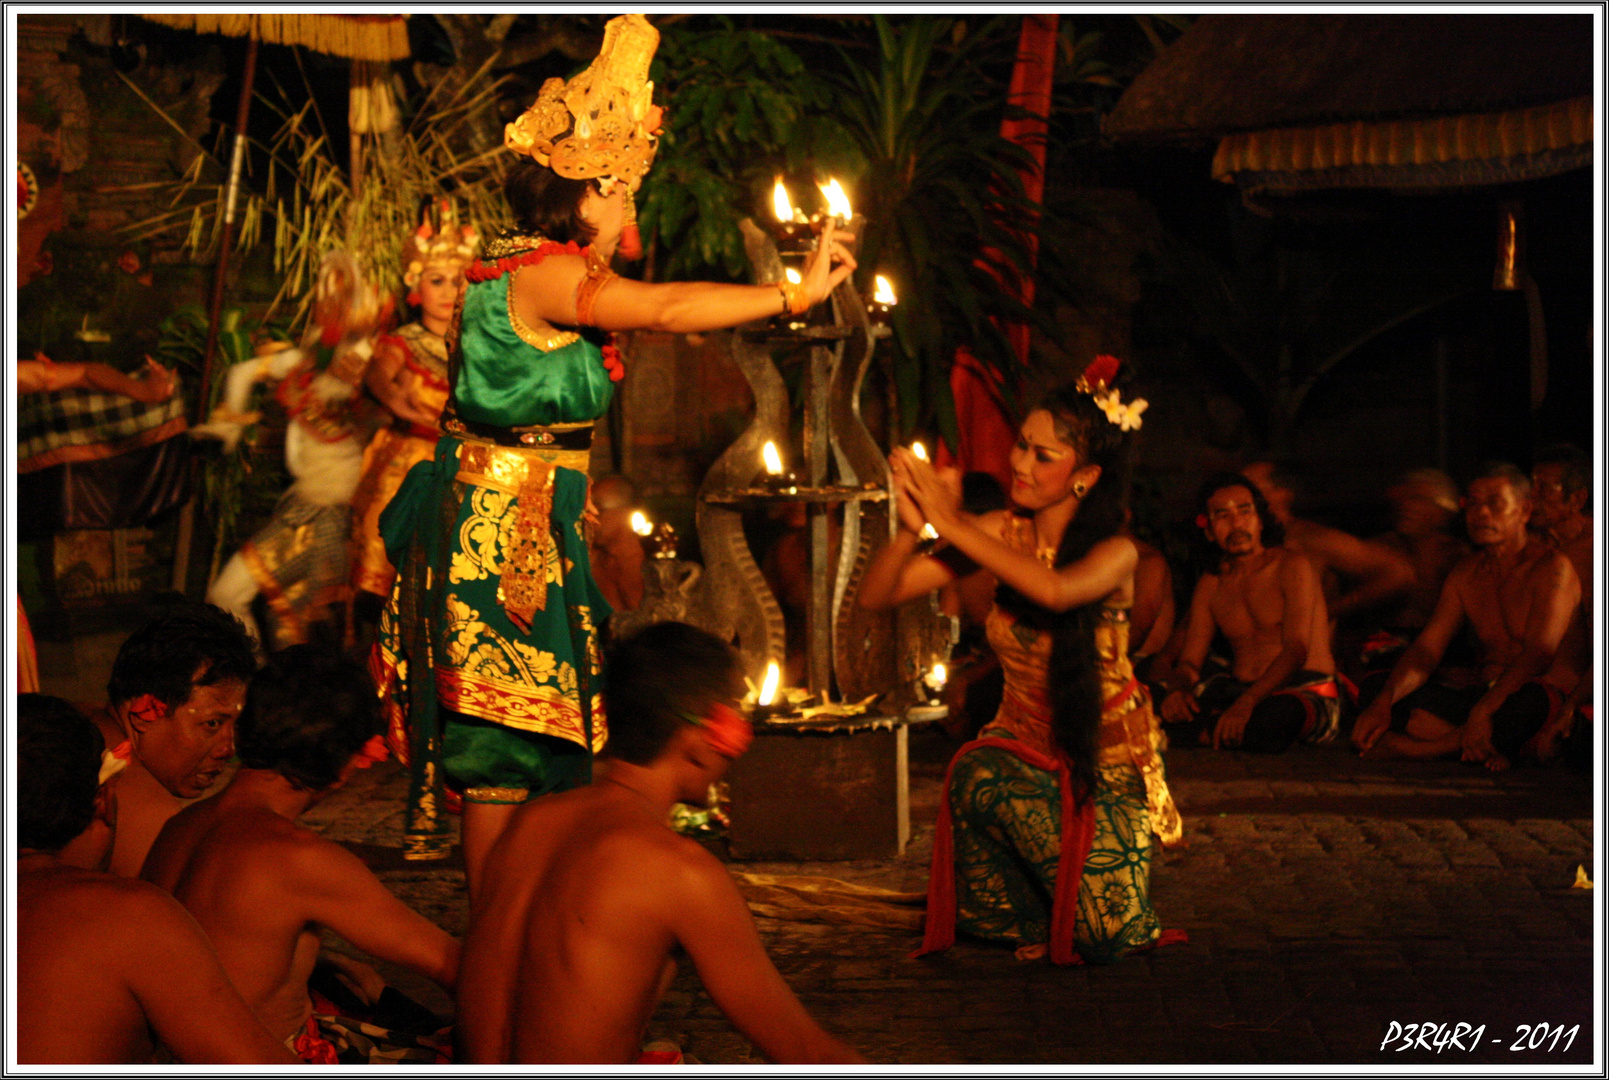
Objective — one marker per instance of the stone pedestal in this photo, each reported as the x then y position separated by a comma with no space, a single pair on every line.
822,790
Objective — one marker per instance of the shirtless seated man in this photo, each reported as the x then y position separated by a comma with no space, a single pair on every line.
104,964
1519,595
176,688
263,886
1561,486
1265,599
588,892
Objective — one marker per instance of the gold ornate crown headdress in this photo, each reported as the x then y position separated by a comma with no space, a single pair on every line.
602,125
444,243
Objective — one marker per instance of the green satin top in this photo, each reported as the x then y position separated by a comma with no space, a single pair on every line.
507,381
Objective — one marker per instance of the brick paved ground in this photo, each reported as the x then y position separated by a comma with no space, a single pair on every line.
1325,899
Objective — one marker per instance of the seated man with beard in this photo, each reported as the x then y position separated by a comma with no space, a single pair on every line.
1265,599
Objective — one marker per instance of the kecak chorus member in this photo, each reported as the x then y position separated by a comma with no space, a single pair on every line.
1520,595
106,967
176,689
488,651
1265,599
1044,838
587,893
262,886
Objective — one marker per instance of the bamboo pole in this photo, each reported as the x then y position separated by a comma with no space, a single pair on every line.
221,270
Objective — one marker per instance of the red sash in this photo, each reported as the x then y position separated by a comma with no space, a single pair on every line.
1077,834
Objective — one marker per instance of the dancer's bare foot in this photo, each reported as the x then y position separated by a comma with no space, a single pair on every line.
1036,951
1497,763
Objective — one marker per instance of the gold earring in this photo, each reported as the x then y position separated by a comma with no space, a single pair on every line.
1079,489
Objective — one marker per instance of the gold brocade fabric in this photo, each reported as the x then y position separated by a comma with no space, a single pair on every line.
1129,732
298,561
391,453
530,555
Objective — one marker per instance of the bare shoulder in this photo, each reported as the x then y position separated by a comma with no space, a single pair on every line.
1552,568
1294,563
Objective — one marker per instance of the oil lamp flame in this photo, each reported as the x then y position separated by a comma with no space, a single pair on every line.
780,204
937,677
837,201
884,293
793,275
640,523
773,460
920,451
768,689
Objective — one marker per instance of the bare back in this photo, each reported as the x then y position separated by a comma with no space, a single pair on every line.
228,868
1249,606
106,966
73,1003
568,959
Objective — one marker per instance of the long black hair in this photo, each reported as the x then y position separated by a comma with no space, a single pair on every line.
1075,683
547,204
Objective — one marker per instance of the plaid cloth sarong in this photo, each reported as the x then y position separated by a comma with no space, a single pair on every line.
87,425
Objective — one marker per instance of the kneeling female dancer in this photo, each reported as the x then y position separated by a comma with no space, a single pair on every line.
1069,764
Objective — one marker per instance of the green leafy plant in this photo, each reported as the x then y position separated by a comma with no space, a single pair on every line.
740,105
939,185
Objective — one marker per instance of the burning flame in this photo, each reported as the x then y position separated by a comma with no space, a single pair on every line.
937,677
640,523
773,675
793,275
773,461
920,451
780,205
884,293
837,201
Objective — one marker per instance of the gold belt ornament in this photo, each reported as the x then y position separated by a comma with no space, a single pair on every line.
528,476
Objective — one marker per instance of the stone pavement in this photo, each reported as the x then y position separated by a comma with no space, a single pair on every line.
1329,903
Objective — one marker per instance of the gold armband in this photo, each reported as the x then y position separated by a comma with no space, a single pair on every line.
586,294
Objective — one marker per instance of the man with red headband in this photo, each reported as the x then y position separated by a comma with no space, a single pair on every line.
588,891
263,886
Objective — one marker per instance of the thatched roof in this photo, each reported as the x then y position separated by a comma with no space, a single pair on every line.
1231,73
1300,102
378,38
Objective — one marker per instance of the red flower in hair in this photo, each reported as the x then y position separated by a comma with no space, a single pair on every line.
1102,370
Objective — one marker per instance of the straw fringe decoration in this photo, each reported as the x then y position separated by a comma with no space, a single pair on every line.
358,37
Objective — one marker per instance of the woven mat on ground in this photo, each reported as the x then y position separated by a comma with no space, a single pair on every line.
822,899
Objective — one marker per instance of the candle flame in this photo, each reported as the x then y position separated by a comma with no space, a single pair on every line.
837,201
920,451
928,532
792,274
884,293
938,676
780,204
768,689
773,461
640,523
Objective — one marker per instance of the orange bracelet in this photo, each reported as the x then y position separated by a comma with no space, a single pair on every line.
793,297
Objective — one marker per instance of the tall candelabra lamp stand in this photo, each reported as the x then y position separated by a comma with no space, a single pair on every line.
825,778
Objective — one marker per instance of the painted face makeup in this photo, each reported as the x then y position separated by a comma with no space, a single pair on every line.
1042,465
